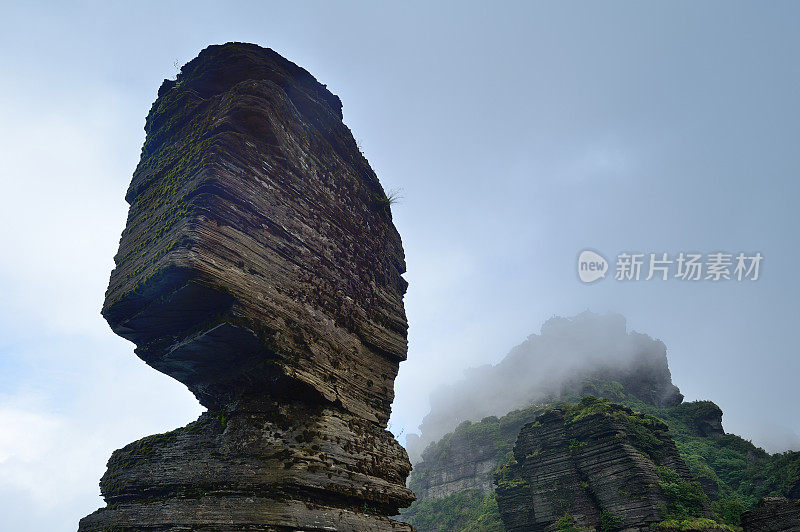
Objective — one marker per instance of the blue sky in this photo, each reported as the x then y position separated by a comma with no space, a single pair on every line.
520,134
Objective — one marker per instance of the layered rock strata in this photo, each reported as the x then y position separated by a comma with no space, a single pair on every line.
260,267
593,464
774,514
466,458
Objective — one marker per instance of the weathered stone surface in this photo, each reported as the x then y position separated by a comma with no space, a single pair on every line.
774,514
593,459
470,469
260,267
467,458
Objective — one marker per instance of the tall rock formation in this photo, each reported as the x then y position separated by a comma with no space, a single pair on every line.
260,267
598,465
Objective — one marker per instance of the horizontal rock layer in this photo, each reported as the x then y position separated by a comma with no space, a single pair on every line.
467,458
774,514
250,467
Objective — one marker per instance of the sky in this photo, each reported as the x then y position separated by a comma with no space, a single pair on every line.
520,135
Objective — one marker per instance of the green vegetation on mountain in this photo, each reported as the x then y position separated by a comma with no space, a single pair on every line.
741,472
471,510
732,471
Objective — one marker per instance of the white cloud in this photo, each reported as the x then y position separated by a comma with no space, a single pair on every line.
70,390
61,210
81,399
39,454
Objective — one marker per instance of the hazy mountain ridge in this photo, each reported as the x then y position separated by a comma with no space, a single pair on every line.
456,480
556,363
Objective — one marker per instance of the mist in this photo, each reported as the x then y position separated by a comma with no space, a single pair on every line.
519,137
565,358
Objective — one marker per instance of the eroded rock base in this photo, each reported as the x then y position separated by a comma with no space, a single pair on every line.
265,467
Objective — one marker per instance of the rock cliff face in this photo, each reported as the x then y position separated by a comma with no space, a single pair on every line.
458,470
774,514
467,458
592,463
260,267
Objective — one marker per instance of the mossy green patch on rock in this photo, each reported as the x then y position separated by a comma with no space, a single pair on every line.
601,463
